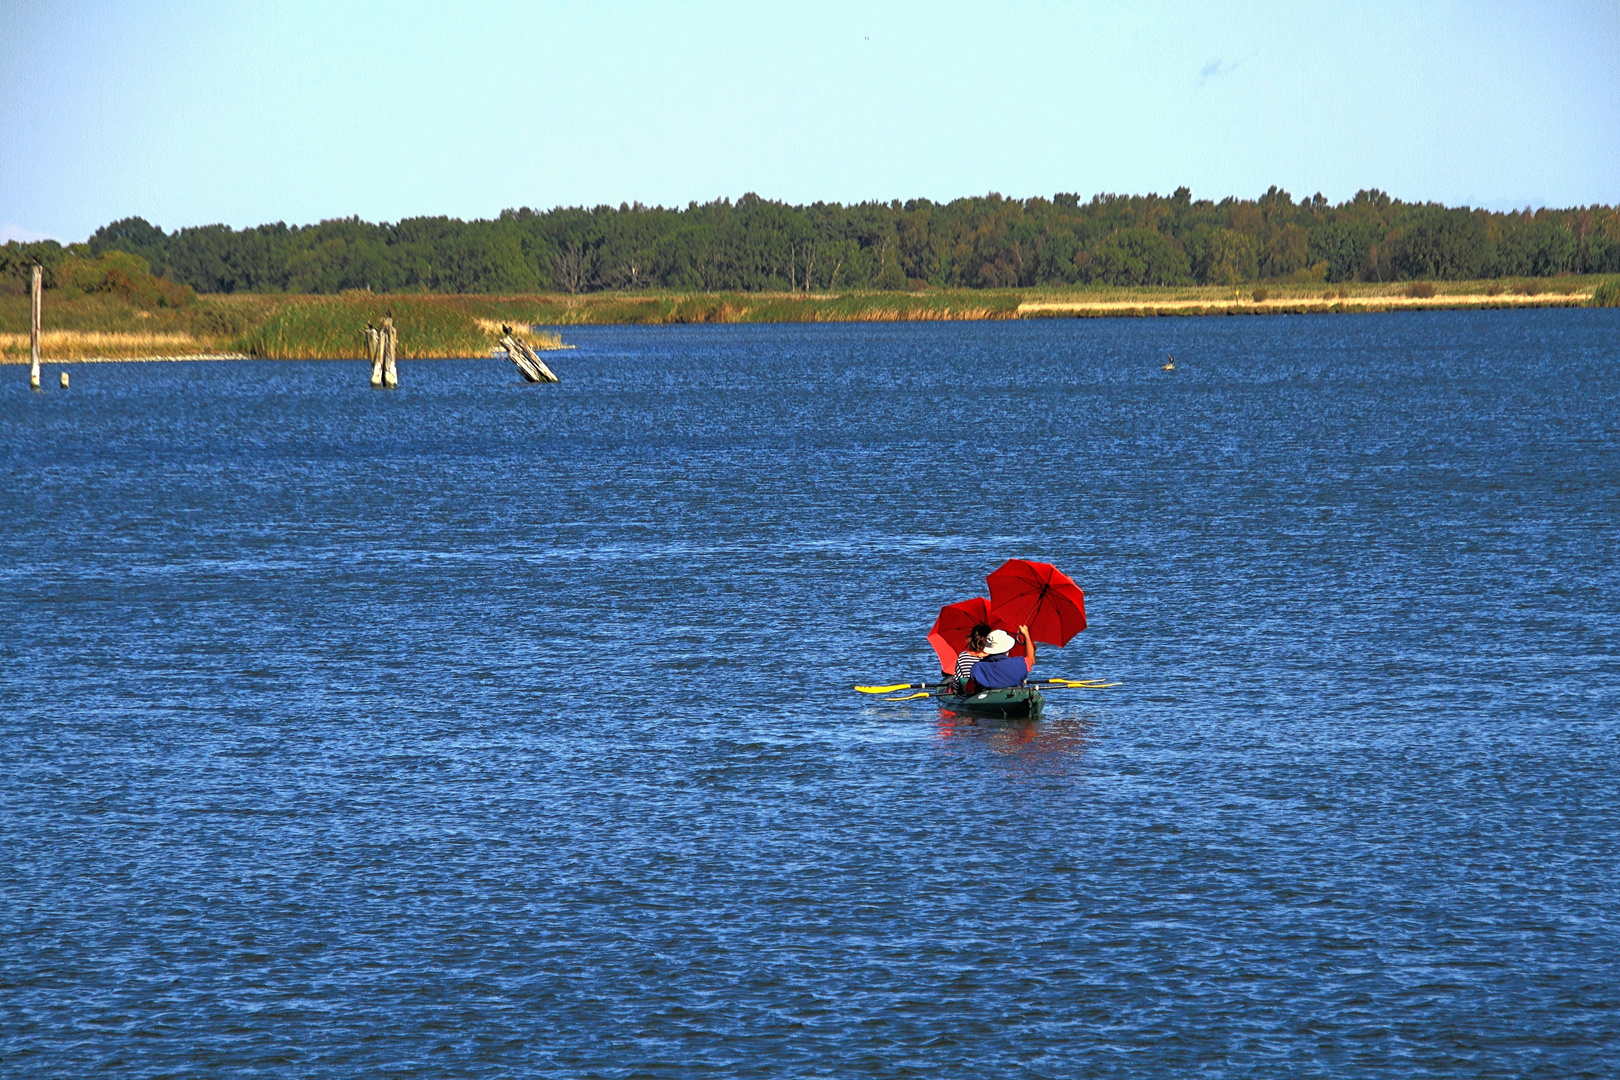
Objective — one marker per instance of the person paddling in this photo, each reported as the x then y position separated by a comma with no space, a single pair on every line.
999,670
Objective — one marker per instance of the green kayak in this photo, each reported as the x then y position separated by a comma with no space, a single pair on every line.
1013,701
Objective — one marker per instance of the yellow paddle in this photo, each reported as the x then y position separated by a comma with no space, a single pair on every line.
898,686
1073,684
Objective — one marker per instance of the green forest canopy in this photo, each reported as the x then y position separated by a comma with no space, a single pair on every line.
754,244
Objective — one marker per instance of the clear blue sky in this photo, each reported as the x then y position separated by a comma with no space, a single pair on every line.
190,113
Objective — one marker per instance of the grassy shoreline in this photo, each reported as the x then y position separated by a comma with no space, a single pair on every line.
299,327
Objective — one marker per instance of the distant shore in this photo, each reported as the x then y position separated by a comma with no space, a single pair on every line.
1285,305
242,326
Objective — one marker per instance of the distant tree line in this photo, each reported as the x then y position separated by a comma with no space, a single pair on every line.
755,244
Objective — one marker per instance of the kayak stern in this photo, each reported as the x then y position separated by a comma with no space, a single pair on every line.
1011,701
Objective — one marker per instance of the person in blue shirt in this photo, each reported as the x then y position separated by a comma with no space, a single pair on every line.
998,669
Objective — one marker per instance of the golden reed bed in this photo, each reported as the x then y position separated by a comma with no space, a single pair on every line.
59,345
1293,305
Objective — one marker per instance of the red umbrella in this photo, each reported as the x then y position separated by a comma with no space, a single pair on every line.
1040,596
956,621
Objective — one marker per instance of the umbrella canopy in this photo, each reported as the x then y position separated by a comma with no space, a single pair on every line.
956,621
1040,596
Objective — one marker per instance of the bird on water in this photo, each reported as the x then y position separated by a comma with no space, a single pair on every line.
1171,366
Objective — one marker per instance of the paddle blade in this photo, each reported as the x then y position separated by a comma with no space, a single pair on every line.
884,689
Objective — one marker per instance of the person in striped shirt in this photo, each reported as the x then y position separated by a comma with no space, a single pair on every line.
971,655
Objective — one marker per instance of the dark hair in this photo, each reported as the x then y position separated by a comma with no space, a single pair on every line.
977,637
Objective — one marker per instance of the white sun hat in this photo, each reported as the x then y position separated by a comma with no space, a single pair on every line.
999,641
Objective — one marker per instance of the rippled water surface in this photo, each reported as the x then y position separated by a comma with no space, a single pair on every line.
478,729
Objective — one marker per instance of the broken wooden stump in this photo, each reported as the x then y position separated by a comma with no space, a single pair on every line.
529,365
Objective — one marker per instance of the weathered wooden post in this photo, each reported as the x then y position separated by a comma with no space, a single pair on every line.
374,350
33,333
390,342
530,366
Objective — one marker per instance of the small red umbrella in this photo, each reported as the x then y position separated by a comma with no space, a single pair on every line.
956,621
1040,596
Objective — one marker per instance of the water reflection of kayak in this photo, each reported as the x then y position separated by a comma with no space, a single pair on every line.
1011,701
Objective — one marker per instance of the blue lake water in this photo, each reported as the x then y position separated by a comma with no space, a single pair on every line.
479,729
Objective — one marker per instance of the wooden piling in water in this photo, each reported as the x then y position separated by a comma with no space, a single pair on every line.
529,365
374,350
33,333
390,341
382,343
